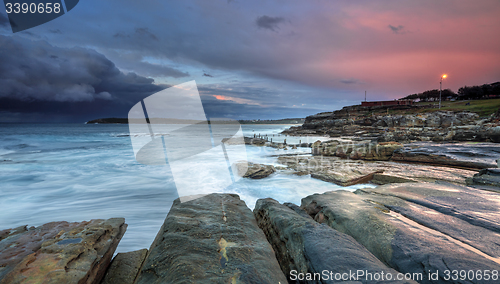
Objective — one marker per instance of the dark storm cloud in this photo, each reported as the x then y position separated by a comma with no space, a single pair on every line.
144,32
135,62
4,21
267,22
36,70
397,30
37,77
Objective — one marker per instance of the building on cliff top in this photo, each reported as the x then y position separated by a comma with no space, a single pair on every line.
388,103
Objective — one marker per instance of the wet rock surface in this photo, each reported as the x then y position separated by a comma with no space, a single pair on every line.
60,252
479,237
213,239
306,246
475,156
478,207
125,267
417,228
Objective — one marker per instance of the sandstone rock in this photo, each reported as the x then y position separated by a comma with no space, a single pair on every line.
60,252
254,171
305,246
473,156
356,121
393,172
345,177
381,178
397,240
212,239
125,267
360,151
478,237
471,134
494,134
487,177
477,207
382,151
11,232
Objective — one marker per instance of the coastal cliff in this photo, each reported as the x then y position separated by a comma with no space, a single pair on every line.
401,124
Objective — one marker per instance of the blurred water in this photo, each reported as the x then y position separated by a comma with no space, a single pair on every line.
76,172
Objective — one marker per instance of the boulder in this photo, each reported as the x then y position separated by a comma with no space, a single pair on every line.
254,171
397,240
125,267
212,239
308,247
60,252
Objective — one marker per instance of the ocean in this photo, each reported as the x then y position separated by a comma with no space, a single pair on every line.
78,172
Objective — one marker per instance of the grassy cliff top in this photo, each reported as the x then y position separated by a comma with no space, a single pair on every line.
481,107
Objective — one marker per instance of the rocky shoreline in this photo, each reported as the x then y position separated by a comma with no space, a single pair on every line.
416,230
435,210
364,123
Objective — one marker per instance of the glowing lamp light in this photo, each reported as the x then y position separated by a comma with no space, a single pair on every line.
440,88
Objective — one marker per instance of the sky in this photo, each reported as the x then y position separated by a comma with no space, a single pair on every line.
250,59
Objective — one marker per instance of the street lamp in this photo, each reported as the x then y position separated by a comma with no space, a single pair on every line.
440,88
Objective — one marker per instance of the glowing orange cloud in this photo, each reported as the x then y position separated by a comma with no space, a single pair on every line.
221,98
236,100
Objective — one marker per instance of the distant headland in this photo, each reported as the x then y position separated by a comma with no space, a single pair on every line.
115,120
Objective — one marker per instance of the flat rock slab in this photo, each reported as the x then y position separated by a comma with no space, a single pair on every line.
212,239
125,267
60,252
478,207
348,172
345,177
398,241
477,237
465,155
308,247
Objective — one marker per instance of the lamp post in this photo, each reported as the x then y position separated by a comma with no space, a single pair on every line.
440,88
